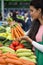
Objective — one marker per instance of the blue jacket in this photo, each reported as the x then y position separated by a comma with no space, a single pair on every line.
28,25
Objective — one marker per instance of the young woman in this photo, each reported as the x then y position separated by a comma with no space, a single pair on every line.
36,31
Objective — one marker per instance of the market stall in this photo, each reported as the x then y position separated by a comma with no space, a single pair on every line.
12,51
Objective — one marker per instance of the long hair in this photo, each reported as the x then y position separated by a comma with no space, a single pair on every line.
34,29
36,23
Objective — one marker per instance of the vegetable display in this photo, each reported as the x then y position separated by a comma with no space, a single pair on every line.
26,54
12,59
13,52
7,49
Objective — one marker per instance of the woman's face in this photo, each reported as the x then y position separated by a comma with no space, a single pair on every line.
34,13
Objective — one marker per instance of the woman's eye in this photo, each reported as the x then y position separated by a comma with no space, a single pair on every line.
31,10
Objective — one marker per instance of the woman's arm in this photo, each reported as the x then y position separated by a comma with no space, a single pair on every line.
26,38
35,44
38,46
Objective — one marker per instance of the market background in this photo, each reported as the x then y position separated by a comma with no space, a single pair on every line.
15,22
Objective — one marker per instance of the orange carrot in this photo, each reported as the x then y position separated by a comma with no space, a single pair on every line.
26,62
17,62
0,55
20,30
3,64
11,56
16,34
2,61
4,57
10,64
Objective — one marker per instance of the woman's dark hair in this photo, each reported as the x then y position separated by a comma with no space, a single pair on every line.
36,24
34,29
37,4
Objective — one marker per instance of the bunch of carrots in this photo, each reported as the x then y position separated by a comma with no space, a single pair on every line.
17,31
12,59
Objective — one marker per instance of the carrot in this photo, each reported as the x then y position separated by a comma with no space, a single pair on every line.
0,55
11,56
3,64
22,60
2,61
17,62
10,64
26,62
12,33
20,30
0,51
16,34
4,57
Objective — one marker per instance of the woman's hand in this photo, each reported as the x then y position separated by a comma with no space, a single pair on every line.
27,38
22,38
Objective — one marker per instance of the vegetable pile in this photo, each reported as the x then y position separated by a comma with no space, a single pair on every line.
26,54
12,59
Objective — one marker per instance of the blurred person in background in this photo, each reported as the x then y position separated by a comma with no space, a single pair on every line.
20,21
10,13
28,22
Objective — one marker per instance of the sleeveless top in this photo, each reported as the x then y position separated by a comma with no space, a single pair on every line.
39,54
